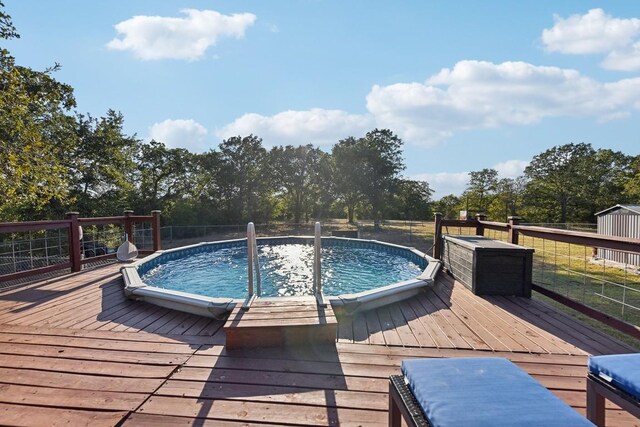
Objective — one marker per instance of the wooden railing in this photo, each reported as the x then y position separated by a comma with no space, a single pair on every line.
514,230
72,224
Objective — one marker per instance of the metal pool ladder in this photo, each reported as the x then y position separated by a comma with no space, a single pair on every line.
253,267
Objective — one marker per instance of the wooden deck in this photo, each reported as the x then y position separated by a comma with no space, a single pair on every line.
75,351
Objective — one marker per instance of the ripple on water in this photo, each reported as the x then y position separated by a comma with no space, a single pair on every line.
286,270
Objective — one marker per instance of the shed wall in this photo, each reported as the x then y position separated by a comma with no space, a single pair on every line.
621,223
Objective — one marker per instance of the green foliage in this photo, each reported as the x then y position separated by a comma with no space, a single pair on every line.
34,128
296,176
449,206
367,169
164,177
102,165
347,176
244,179
571,182
7,30
380,163
508,198
632,184
481,189
411,200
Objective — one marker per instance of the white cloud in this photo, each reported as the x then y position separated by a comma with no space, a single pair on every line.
594,32
158,37
511,168
627,59
471,95
597,32
479,94
187,134
444,183
316,126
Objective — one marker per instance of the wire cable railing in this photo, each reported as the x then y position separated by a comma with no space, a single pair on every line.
567,267
37,248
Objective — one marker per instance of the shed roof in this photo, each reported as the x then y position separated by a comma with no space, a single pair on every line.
632,208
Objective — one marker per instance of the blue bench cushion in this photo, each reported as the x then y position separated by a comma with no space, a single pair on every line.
620,370
484,392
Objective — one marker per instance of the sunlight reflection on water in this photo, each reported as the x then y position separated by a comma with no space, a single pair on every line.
286,270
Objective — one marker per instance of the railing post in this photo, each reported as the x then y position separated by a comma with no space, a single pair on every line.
437,236
74,241
155,226
128,225
480,227
513,234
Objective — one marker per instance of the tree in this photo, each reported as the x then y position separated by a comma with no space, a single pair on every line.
102,164
607,173
482,185
449,206
347,166
165,176
324,195
382,162
557,182
632,183
34,127
508,197
296,171
366,169
411,200
245,179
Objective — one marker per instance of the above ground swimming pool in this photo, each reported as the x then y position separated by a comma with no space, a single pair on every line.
210,278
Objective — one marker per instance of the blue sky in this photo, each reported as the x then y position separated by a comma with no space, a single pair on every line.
467,84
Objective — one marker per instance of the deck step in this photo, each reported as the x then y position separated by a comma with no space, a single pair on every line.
279,322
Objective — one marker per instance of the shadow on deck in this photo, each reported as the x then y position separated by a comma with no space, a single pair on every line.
75,350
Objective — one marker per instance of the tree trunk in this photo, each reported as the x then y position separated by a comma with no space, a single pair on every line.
297,209
350,209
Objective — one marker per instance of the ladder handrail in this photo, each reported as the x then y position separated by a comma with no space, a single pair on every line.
253,267
317,266
256,264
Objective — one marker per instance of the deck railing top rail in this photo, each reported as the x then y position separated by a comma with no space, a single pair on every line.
16,227
584,238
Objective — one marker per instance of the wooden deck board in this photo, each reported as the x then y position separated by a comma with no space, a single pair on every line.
16,415
70,399
74,350
512,332
153,420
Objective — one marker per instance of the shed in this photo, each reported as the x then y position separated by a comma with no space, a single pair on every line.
621,221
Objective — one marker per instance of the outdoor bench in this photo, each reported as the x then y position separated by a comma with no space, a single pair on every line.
474,392
616,377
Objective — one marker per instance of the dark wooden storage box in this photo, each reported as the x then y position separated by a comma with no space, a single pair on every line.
488,267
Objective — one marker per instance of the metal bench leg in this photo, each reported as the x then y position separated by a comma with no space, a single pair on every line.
595,404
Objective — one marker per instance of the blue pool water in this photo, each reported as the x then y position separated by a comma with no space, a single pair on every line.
286,270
